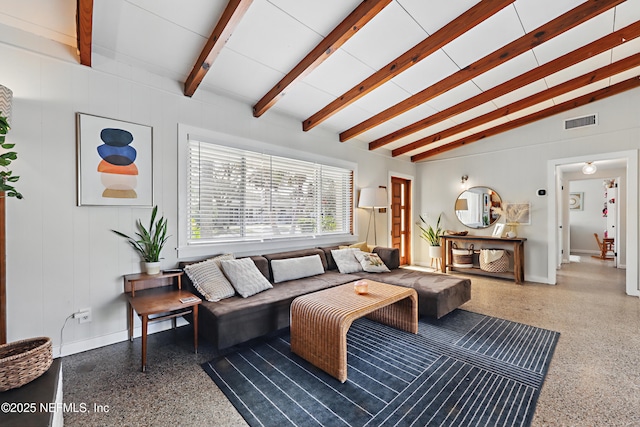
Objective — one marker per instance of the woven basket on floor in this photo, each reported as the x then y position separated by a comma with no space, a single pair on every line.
23,361
462,258
498,266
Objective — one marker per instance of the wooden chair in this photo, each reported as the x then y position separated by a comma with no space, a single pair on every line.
605,246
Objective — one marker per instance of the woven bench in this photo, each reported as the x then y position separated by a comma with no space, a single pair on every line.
320,320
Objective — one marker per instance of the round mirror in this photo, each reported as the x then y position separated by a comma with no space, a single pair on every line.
476,207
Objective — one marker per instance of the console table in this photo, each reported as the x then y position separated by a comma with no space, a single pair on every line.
486,242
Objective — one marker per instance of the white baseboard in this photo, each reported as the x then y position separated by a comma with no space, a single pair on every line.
97,342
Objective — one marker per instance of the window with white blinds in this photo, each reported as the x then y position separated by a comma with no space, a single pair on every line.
241,195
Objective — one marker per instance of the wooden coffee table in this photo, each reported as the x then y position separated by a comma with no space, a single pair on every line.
320,320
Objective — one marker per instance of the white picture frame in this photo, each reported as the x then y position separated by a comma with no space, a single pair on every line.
498,230
576,201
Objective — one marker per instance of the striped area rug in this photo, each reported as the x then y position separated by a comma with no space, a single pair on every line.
465,369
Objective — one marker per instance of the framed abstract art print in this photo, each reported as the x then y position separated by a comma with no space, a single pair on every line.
115,162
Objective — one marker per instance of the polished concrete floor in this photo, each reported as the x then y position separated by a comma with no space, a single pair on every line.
593,379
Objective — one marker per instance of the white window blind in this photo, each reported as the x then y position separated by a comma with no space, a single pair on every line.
236,195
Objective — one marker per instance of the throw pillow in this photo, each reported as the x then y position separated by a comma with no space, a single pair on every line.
371,262
296,268
363,246
209,280
245,276
346,260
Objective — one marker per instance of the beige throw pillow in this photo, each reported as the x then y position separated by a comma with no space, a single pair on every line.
371,262
363,246
209,280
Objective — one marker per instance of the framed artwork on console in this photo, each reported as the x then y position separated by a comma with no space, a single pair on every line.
498,230
114,162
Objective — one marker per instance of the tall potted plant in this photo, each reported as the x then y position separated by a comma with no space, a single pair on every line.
6,176
150,241
432,236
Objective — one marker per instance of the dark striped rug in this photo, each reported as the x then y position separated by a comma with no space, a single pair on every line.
464,369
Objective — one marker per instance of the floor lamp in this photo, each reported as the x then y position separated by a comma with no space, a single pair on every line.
372,198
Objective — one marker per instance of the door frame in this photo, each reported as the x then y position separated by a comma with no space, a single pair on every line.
631,156
410,224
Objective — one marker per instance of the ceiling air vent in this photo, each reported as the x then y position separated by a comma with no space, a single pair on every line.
578,122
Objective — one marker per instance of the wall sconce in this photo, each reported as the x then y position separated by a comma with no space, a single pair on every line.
372,198
589,168
463,181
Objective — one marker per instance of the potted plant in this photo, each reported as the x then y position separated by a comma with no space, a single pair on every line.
149,242
6,177
432,235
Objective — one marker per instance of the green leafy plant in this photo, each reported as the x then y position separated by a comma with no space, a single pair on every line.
150,240
6,176
430,234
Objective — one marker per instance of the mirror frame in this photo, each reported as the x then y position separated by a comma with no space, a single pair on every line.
493,217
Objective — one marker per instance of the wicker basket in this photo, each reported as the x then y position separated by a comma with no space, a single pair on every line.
498,266
23,361
462,258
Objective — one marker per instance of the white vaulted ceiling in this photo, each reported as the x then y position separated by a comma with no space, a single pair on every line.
166,37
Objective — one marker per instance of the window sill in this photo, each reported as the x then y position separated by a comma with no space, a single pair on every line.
245,248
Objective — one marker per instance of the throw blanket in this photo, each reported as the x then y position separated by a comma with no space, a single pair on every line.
491,255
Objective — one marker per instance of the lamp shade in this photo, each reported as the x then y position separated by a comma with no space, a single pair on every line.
6,98
373,198
462,205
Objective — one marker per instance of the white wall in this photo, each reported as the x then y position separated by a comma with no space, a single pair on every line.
515,165
61,257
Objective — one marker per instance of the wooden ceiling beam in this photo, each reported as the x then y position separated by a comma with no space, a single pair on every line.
585,79
472,17
546,32
84,30
228,22
597,95
357,19
601,45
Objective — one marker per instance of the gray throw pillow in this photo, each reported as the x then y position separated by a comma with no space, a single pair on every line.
346,260
296,268
209,280
245,276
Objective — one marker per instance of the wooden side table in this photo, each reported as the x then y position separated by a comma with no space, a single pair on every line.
155,298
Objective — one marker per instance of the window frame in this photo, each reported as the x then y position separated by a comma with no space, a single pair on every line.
187,250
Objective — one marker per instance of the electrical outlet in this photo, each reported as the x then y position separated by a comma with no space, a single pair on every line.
84,315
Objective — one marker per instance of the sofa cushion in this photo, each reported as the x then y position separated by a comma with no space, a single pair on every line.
438,294
296,268
245,276
390,256
346,260
235,320
371,262
295,254
209,280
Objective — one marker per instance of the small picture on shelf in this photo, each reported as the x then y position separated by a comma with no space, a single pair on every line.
498,230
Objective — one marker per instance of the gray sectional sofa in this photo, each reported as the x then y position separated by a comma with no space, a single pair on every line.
235,320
